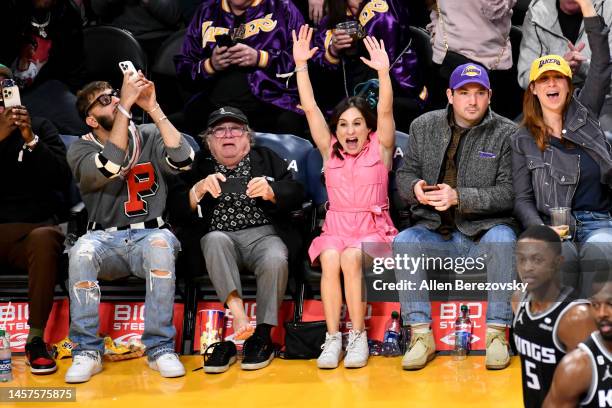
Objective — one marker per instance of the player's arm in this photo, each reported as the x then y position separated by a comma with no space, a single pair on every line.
575,326
571,381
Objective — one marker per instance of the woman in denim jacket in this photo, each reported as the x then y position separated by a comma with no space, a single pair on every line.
560,154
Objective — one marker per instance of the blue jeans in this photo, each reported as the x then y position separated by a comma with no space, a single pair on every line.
590,251
148,254
499,264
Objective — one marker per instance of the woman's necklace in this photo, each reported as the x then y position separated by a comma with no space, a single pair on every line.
42,26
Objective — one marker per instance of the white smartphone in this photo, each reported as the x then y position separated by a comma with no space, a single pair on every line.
10,94
127,66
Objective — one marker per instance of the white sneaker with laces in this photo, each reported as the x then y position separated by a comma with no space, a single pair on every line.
168,365
84,365
332,351
357,350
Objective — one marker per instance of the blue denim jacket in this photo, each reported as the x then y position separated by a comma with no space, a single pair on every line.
546,179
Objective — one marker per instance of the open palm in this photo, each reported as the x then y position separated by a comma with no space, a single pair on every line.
301,45
379,60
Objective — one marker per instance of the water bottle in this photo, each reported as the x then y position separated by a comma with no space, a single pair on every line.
463,334
390,346
6,373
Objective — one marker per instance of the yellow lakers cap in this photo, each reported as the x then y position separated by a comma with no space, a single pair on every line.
549,63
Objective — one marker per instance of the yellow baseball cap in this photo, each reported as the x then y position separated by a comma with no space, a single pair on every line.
549,63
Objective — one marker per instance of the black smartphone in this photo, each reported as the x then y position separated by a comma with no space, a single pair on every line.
224,40
427,188
234,185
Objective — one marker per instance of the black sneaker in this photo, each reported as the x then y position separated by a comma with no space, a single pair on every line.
258,352
219,356
38,358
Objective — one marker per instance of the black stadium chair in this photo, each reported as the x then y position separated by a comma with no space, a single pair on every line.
421,44
170,95
400,212
293,149
105,47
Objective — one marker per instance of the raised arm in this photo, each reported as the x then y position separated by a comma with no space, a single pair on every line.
385,126
316,121
597,81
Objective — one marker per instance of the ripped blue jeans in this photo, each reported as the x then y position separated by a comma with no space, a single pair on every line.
149,254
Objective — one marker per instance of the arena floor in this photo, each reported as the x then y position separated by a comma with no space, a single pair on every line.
443,383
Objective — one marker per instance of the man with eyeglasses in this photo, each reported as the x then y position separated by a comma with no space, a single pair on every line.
235,203
121,170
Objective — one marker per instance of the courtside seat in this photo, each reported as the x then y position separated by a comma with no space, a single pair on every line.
400,211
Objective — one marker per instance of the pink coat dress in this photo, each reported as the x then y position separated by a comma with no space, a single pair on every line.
358,206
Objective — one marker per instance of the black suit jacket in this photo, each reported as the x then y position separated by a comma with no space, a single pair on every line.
190,228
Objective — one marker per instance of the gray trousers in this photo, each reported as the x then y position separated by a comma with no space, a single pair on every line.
258,250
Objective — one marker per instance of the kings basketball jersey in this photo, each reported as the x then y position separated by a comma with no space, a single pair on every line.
600,391
535,336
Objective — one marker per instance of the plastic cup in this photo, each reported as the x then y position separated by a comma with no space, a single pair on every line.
560,218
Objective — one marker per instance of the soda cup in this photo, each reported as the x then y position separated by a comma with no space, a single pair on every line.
211,322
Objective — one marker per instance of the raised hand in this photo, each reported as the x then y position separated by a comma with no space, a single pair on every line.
315,10
301,45
587,8
133,85
573,57
379,60
147,99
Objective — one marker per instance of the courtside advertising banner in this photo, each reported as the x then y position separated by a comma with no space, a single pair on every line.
14,319
122,321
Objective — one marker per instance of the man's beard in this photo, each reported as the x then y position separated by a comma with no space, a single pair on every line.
106,122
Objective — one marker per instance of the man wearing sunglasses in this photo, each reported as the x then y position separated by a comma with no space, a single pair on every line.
121,170
234,207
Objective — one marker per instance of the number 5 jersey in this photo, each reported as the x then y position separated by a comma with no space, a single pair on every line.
537,342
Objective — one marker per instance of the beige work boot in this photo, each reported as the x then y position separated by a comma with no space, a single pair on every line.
422,350
498,351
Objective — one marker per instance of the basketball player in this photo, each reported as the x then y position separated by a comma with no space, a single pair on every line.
584,376
549,321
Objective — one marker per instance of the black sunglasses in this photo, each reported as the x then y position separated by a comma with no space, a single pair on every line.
104,99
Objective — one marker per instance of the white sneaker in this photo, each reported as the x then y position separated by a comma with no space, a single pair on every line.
332,351
84,365
168,365
357,350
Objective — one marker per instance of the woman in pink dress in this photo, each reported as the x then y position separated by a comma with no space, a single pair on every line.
357,149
